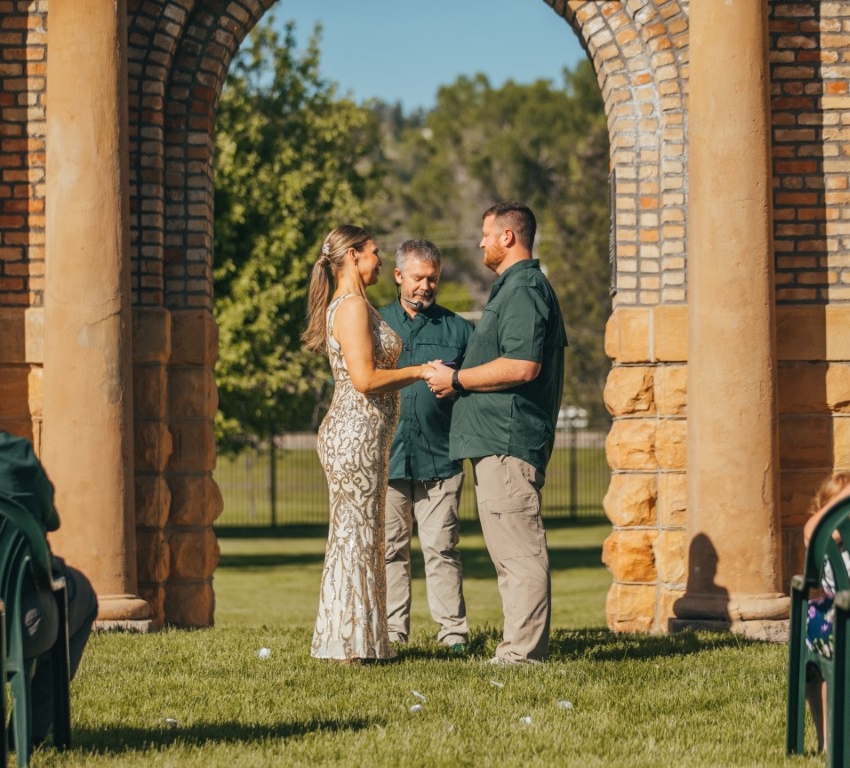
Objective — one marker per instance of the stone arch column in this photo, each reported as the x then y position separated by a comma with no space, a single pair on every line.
639,50
88,424
734,571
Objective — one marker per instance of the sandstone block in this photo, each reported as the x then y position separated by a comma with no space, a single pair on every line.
630,445
151,335
627,335
194,338
194,553
150,392
35,394
800,333
671,440
154,594
153,446
670,556
12,336
837,318
802,388
666,600
628,391
190,605
630,500
671,390
805,441
841,440
629,555
796,490
22,335
34,335
672,499
630,607
153,501
192,391
152,556
196,500
14,392
793,554
194,447
670,333
838,387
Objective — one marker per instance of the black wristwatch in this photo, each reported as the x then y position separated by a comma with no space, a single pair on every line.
456,385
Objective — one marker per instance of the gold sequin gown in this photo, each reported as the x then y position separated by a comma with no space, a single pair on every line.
354,444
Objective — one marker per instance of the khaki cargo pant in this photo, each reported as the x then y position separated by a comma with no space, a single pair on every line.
434,506
508,494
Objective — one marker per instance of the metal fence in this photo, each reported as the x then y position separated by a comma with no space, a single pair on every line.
284,484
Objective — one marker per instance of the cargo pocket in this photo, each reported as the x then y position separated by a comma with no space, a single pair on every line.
517,519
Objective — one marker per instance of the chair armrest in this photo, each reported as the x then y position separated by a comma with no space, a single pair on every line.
842,600
798,582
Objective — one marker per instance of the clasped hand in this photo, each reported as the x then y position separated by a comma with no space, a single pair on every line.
439,378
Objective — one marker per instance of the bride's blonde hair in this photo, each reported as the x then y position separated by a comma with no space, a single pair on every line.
329,263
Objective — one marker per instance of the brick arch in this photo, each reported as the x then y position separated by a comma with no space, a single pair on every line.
639,50
179,55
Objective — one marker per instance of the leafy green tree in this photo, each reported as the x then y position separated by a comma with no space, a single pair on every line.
544,145
292,161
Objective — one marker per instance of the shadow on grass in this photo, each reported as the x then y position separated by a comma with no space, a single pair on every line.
476,560
120,740
586,644
604,645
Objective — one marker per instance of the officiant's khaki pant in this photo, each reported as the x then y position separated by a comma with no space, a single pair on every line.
508,494
434,506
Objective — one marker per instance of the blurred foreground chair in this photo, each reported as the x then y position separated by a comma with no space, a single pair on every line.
835,670
23,549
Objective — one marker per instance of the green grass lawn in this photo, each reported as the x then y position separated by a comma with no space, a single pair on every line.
205,698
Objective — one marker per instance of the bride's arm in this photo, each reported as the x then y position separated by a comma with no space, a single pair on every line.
352,328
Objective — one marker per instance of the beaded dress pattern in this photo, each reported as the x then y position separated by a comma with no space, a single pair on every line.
354,444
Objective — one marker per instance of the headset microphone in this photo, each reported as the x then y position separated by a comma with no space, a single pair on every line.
417,305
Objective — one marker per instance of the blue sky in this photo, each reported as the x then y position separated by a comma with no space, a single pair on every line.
404,50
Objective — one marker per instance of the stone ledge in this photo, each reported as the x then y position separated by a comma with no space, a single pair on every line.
767,631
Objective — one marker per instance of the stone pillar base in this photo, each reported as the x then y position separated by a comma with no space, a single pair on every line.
756,617
126,612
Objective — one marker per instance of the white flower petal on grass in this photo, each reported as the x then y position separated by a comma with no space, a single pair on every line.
564,704
171,722
416,708
418,695
497,684
525,720
264,653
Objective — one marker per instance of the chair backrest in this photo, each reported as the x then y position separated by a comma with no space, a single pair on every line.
24,554
823,546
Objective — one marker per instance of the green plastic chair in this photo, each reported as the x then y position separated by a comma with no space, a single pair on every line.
24,550
835,671
4,747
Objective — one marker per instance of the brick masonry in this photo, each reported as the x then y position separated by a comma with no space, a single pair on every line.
178,56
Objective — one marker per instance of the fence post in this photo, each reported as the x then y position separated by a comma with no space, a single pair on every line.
573,470
273,481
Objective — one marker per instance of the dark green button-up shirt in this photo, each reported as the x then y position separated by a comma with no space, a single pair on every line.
420,449
522,321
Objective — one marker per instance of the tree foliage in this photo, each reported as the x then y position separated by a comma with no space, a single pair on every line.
292,161
543,145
